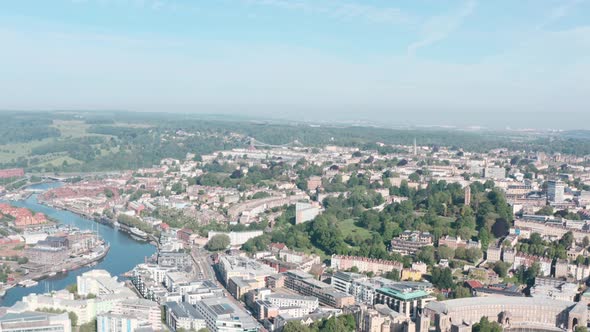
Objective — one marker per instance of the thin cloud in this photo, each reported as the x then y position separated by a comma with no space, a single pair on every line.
440,27
340,10
558,13
142,4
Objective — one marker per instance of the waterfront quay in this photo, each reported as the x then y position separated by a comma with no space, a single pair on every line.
121,252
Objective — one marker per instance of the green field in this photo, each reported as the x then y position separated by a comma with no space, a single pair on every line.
17,150
71,128
59,161
347,227
68,129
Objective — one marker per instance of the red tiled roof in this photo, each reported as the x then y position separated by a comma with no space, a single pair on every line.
473,284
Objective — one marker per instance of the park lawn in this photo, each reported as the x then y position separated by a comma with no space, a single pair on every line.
348,227
23,149
446,221
106,152
59,161
73,128
67,128
132,125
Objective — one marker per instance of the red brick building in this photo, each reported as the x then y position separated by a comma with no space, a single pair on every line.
184,235
22,217
11,173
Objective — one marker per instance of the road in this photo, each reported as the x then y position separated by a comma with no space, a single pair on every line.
204,270
203,267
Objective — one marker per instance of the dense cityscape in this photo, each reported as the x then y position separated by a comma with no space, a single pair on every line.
287,237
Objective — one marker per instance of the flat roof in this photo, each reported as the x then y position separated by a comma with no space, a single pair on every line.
403,295
450,305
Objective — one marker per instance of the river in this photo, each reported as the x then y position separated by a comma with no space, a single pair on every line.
123,255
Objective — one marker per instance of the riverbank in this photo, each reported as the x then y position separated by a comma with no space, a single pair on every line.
68,267
123,255
37,272
133,232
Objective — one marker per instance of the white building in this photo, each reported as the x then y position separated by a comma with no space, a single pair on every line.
184,315
554,289
222,315
237,266
495,172
305,212
109,322
98,282
237,238
555,191
145,311
29,321
308,303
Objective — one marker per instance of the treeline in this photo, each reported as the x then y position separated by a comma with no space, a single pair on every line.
82,149
342,323
150,138
365,137
25,127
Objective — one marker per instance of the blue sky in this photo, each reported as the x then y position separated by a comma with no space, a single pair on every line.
306,58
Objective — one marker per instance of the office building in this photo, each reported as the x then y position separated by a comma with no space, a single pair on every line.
110,322
176,259
555,191
247,268
525,313
236,239
147,312
364,264
30,321
495,173
410,242
222,315
364,289
305,284
305,212
182,315
408,301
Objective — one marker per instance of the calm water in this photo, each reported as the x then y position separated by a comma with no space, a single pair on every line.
124,254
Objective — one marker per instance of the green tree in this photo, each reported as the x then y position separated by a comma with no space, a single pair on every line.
442,278
414,177
88,327
461,292
393,275
108,193
72,288
426,255
484,238
485,325
73,318
178,188
260,194
501,227
295,326
501,269
547,210
218,242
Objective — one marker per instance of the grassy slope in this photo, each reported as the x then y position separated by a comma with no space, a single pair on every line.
68,128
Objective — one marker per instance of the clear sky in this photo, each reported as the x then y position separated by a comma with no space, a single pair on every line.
350,59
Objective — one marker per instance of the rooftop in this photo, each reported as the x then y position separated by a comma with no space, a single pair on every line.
451,305
184,310
223,308
401,294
